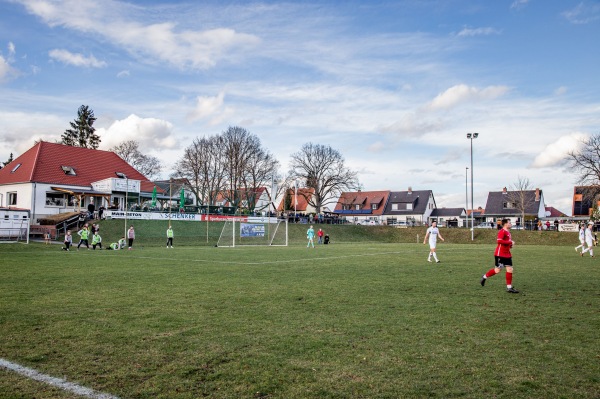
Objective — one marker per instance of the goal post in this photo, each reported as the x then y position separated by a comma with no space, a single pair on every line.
254,231
18,232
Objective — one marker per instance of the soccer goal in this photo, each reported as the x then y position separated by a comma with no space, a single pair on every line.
258,231
18,231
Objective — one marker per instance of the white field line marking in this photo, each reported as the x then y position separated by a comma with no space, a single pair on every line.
57,382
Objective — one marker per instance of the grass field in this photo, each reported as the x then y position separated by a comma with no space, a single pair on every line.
355,320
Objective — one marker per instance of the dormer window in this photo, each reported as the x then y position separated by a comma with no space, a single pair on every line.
70,171
17,166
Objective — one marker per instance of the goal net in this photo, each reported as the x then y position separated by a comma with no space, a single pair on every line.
258,231
18,231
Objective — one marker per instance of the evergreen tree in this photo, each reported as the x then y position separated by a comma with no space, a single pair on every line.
82,132
10,159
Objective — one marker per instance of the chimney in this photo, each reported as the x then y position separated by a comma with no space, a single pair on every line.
504,190
537,195
409,190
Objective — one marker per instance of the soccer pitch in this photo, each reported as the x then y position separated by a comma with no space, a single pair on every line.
339,321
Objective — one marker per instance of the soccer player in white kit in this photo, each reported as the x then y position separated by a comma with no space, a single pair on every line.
433,233
581,237
589,240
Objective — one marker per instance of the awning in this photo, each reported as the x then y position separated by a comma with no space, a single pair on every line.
85,193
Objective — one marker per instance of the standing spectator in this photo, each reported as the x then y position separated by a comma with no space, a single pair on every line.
310,235
96,240
320,235
91,208
83,237
47,237
68,240
131,236
170,237
503,257
432,232
101,212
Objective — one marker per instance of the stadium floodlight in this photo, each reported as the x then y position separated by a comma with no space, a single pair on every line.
124,176
472,136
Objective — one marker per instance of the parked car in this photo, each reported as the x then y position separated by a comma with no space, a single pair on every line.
484,225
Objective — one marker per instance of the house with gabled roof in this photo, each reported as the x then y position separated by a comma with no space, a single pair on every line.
362,206
297,201
52,178
449,217
506,204
412,207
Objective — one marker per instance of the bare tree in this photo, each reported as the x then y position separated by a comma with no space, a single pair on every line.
322,168
247,166
520,196
147,165
585,161
203,166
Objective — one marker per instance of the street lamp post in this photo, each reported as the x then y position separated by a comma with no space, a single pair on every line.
472,136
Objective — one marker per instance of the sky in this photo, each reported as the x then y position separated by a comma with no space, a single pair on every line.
394,86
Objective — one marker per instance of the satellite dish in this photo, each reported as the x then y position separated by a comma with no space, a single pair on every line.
548,213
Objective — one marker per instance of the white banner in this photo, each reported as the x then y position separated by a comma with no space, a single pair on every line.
152,215
568,227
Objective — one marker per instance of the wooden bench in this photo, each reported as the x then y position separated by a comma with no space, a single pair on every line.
41,230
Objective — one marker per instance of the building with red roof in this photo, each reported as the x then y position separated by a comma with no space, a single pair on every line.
297,201
52,178
362,206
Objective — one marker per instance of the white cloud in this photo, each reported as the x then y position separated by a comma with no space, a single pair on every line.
11,49
555,154
76,59
517,4
195,49
413,125
123,74
210,107
152,134
462,93
561,90
583,13
5,69
466,32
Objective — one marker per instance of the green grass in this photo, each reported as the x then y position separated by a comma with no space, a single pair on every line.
357,320
153,234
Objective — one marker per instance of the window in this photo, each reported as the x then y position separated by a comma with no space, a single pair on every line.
509,205
11,199
53,199
395,207
69,170
409,207
357,207
373,206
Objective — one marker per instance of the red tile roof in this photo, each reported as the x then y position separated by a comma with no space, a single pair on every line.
364,199
304,194
43,163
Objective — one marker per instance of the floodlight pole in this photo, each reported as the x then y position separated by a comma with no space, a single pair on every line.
467,195
472,136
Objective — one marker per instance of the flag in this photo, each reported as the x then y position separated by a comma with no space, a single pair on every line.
181,199
154,197
296,192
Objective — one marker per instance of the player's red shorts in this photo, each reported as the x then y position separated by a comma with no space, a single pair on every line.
501,261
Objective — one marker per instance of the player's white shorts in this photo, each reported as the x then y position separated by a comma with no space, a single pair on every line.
589,242
432,244
582,241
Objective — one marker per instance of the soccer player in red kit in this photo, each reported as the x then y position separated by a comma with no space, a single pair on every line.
503,257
